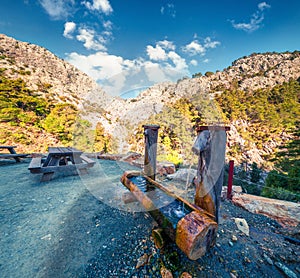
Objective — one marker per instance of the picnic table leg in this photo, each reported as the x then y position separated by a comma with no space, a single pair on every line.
12,151
76,159
82,171
47,176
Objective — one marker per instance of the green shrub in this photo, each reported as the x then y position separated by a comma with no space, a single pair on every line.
10,114
280,193
61,121
172,157
277,187
255,173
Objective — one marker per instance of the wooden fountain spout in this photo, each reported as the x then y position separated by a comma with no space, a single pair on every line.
193,227
150,135
210,147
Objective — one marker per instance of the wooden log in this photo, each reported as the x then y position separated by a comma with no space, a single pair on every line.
195,234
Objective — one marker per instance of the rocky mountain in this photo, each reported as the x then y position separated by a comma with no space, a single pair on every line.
45,73
58,81
258,71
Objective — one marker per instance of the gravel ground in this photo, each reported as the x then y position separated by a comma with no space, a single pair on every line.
59,229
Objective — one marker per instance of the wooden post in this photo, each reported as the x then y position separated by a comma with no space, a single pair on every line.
210,147
151,134
230,179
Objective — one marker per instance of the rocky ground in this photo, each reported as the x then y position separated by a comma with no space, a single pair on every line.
59,229
264,253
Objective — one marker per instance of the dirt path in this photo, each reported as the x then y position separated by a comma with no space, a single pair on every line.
59,229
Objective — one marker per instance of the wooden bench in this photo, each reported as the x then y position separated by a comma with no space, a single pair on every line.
89,162
12,153
35,165
60,159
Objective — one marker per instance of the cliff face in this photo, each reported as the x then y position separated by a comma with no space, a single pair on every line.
45,73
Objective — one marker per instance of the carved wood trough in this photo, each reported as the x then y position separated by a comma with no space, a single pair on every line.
190,227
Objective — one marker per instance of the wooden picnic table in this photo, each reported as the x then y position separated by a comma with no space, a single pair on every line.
60,159
12,153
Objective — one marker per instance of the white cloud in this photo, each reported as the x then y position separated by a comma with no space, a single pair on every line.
208,43
164,51
100,65
69,29
166,45
57,9
160,51
206,61
156,53
155,73
253,25
99,5
168,9
178,61
118,75
263,5
255,20
107,24
91,40
115,74
194,48
194,63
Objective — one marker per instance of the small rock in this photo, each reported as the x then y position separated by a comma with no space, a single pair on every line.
242,225
230,243
268,259
234,238
48,237
186,275
142,261
165,273
286,270
232,275
186,175
247,260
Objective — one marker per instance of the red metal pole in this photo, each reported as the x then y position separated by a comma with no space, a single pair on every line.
230,180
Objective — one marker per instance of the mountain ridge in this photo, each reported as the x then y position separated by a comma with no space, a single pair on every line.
59,82
45,73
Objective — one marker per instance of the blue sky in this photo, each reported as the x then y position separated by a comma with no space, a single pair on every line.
157,40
